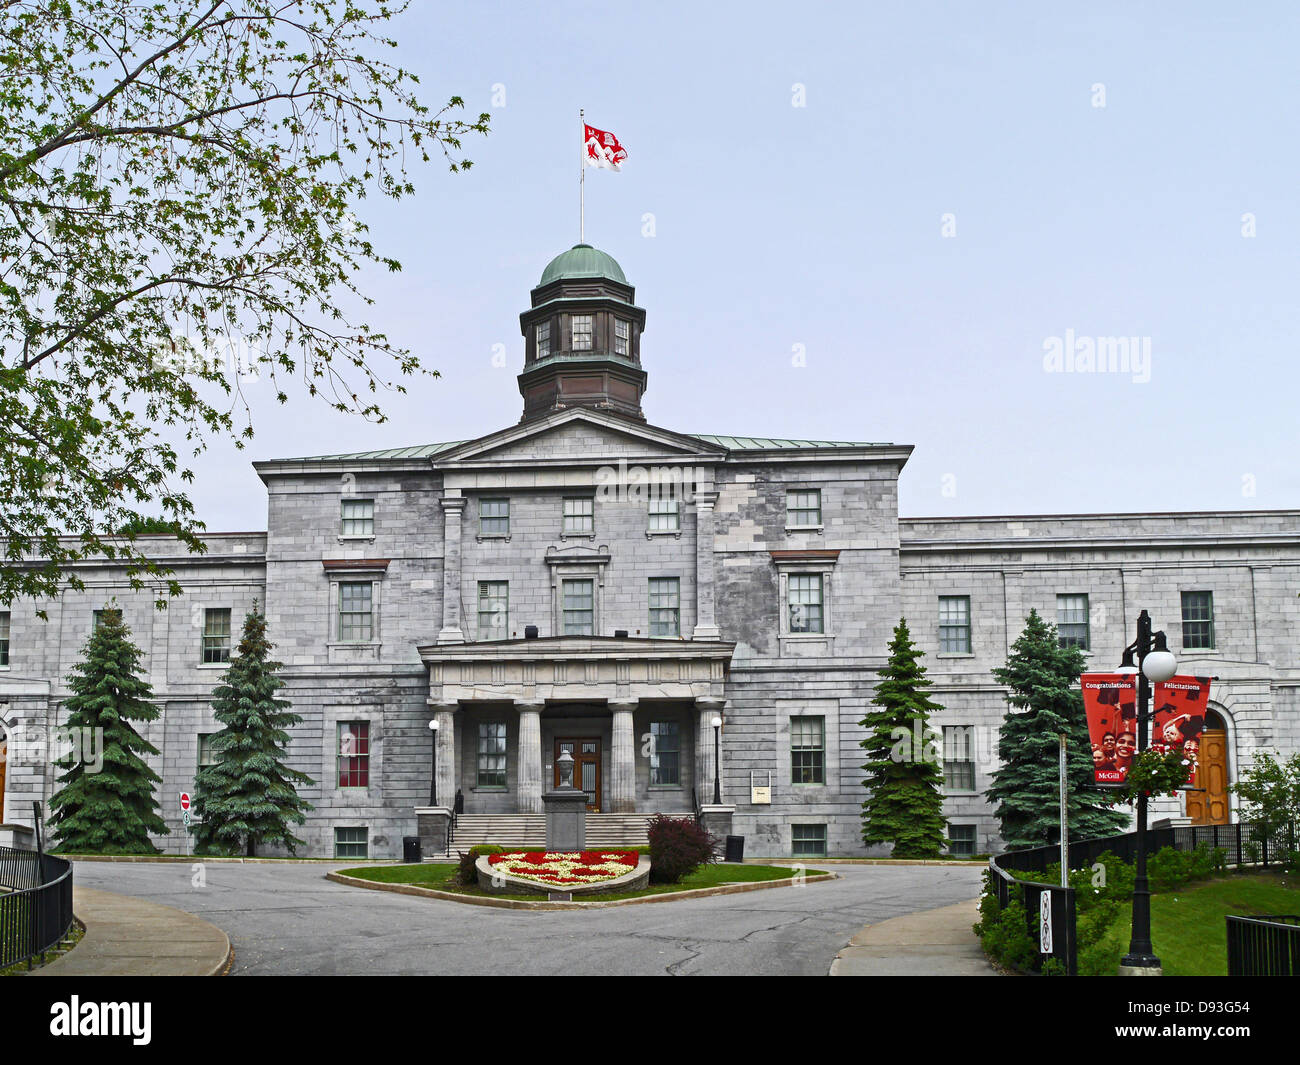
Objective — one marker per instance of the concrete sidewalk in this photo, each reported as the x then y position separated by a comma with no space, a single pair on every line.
931,943
131,937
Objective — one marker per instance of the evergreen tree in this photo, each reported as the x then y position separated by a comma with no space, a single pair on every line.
1045,701
248,797
905,806
108,808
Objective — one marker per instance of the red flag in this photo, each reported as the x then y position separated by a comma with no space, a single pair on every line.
603,149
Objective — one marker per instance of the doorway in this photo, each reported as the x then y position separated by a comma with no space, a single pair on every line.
1210,806
586,766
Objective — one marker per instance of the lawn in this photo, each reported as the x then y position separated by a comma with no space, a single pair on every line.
1188,930
440,877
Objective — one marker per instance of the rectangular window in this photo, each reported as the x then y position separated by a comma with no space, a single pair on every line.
665,515
665,754
665,606
354,754
808,750
207,756
351,843
543,340
954,624
1072,621
579,607
579,516
96,616
958,759
808,841
216,635
356,616
805,602
494,517
961,841
622,333
803,508
582,332
358,517
1198,621
4,637
492,754
493,610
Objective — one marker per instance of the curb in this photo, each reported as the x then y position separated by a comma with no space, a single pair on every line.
519,904
901,862
182,858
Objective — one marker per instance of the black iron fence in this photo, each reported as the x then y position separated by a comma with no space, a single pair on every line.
1264,946
35,904
1243,844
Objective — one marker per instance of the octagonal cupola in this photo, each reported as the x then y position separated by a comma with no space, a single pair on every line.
582,338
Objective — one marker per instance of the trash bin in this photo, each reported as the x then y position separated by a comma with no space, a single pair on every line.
411,849
735,849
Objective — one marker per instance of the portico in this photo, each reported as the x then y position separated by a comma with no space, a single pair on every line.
634,713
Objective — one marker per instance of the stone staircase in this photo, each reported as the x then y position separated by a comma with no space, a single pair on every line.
603,830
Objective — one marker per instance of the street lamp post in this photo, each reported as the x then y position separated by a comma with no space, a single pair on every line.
1154,663
717,782
433,773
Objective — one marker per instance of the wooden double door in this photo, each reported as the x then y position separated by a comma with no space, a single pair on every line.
586,766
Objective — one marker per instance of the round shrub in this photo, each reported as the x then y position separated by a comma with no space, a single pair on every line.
678,846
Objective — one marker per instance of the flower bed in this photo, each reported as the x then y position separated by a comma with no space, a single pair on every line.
566,868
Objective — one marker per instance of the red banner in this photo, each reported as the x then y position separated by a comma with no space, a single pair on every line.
1180,706
1110,701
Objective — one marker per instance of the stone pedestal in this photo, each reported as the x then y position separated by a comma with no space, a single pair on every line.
432,825
1141,970
566,819
19,837
716,820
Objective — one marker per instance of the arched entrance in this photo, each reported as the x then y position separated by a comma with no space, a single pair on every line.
1211,806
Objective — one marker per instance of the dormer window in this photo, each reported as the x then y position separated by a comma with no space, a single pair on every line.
543,340
582,332
622,335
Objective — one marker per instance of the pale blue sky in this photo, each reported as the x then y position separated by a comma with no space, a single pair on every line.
821,225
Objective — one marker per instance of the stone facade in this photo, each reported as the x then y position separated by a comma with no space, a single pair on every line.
399,589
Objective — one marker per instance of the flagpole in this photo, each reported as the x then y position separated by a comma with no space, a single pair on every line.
582,178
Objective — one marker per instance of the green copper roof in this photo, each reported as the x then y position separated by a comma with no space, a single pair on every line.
768,443
582,260
731,443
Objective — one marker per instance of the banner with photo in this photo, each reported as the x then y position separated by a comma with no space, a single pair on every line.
1179,719
1110,701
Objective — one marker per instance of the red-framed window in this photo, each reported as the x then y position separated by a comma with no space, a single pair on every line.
354,754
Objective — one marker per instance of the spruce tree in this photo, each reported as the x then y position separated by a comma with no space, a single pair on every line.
112,810
905,806
248,796
1045,700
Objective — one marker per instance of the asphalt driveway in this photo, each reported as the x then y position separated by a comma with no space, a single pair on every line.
289,920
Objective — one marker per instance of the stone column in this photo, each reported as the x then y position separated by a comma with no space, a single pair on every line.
453,507
622,779
709,709
706,627
446,715
530,757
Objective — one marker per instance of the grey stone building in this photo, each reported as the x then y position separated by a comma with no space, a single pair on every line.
587,581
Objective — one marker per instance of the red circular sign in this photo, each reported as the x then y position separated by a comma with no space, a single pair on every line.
185,800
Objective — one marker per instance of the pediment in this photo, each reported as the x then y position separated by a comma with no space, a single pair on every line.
579,437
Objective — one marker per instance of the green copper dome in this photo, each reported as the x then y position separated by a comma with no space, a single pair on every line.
582,260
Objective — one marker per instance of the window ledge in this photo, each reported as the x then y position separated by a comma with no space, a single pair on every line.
1195,651
955,654
356,539
805,528
808,636
577,536
650,533
212,665
504,537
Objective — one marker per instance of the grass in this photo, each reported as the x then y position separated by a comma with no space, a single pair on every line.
441,878
1188,930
